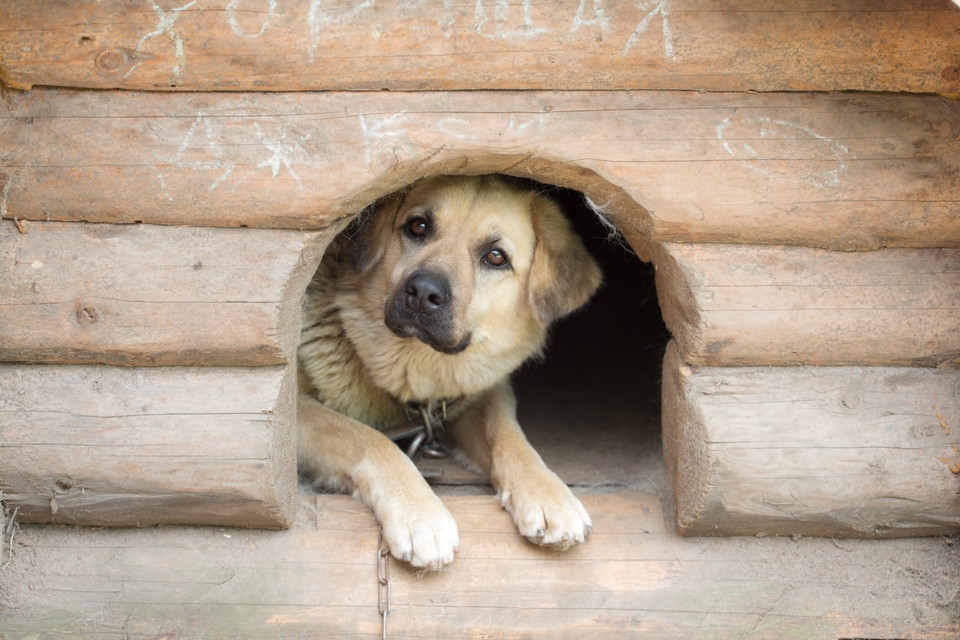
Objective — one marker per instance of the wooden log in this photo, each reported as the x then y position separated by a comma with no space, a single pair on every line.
319,580
145,295
735,305
837,171
814,451
294,45
113,446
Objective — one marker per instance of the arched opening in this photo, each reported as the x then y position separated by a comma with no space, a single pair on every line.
591,406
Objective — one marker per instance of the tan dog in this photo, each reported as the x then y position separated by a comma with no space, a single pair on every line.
436,298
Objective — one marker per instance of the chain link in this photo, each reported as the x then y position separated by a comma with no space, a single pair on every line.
383,578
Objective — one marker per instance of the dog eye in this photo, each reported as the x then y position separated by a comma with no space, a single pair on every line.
496,258
418,227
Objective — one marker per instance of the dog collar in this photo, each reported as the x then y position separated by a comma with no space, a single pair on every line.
424,421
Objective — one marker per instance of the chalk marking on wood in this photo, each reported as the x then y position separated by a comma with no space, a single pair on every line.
520,128
235,26
194,140
279,149
165,22
376,132
662,9
502,22
162,179
599,18
766,130
318,20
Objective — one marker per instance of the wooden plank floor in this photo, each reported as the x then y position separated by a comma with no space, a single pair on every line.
634,578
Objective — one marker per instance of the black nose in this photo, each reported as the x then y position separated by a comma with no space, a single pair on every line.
427,292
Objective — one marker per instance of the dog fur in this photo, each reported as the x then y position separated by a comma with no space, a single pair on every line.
439,294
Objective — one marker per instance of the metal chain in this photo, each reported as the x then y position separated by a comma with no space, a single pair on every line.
423,423
383,578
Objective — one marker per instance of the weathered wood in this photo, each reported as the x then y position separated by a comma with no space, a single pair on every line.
319,580
821,45
838,171
731,305
150,296
823,451
110,446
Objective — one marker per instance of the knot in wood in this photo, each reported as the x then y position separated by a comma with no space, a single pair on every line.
88,315
849,400
112,61
951,73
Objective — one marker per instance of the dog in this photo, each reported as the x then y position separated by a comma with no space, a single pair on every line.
431,301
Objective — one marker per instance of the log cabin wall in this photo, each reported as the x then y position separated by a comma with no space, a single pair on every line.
793,175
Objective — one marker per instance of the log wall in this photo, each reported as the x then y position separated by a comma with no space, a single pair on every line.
743,305
827,451
159,243
145,295
843,172
101,445
292,45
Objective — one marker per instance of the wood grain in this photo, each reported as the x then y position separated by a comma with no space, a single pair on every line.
824,451
293,45
144,295
319,580
835,171
736,305
113,446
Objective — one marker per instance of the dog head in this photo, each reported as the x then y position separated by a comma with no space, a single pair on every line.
472,269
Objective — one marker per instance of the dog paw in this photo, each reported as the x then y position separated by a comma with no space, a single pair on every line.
423,534
547,513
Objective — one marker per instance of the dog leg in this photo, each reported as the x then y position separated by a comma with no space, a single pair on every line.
544,509
345,455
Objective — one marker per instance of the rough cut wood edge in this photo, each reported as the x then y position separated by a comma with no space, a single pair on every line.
306,45
816,451
836,171
733,305
319,580
144,295
116,446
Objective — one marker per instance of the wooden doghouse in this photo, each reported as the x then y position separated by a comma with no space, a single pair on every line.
794,177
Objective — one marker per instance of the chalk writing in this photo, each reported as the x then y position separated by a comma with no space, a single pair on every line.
493,19
281,151
199,151
739,135
600,20
517,127
235,24
503,24
319,18
658,8
378,132
165,22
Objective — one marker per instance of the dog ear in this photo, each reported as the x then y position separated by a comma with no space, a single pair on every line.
364,241
563,275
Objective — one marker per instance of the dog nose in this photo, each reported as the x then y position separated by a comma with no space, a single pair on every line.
427,292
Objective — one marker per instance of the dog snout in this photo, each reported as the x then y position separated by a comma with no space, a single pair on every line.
427,292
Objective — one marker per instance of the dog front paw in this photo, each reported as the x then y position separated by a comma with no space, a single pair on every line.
546,512
422,533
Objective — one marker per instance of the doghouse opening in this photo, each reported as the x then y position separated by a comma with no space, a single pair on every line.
591,406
